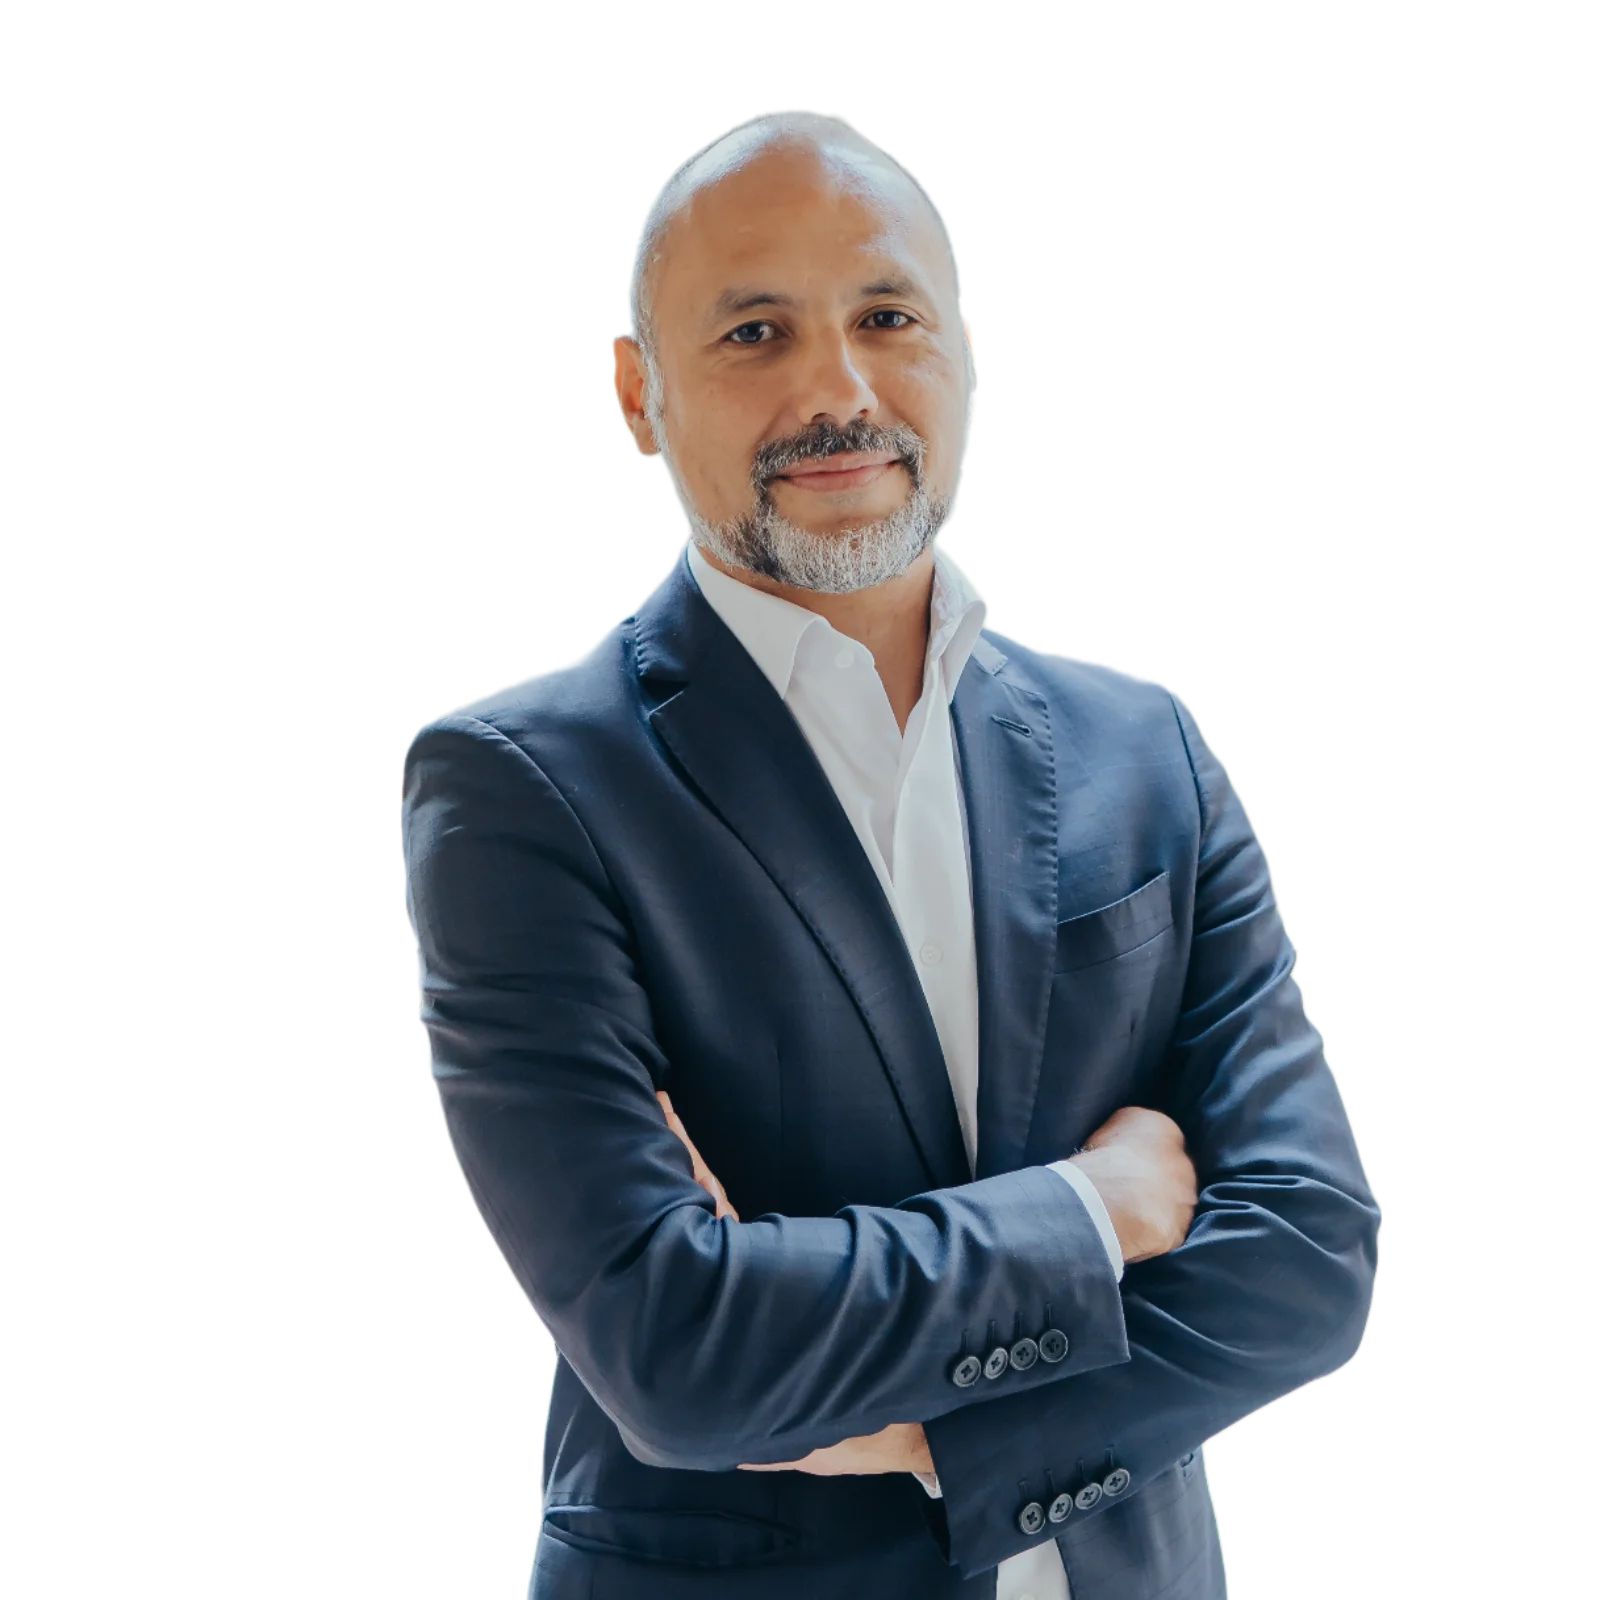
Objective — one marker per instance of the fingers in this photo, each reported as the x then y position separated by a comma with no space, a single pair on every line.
774,1466
703,1175
1135,1123
1118,1125
712,1185
675,1122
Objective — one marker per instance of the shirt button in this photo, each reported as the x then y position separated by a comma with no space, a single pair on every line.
932,955
844,658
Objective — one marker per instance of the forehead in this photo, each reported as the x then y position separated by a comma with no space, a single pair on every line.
806,223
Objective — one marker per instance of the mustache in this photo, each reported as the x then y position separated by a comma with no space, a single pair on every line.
778,460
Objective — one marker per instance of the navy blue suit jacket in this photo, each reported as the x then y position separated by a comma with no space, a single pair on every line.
634,875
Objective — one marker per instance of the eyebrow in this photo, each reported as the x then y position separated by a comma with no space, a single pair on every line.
731,301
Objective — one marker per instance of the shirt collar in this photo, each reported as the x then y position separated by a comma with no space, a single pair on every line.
770,628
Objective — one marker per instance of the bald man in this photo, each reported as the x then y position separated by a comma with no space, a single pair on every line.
870,1041
716,244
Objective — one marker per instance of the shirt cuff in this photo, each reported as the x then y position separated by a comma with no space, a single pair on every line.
930,1482
1096,1207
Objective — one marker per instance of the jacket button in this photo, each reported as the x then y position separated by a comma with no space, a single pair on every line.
1087,1496
998,1360
1023,1354
1031,1517
1060,1508
966,1372
1115,1482
1052,1344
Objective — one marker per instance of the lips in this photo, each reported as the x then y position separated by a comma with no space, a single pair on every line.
837,482
840,464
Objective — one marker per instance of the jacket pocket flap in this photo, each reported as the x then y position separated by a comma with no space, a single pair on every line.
1114,930
689,1538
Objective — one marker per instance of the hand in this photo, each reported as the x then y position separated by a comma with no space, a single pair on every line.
1137,1162
901,1447
703,1175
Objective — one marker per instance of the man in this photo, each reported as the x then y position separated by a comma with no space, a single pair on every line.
870,1042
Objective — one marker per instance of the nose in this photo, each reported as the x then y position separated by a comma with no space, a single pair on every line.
832,387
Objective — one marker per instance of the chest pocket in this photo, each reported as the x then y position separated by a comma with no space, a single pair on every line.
1116,929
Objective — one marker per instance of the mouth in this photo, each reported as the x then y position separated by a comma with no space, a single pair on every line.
836,473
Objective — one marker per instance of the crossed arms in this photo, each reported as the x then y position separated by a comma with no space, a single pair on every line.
1144,1177
714,1343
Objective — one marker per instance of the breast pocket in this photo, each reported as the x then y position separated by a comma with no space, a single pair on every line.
1117,929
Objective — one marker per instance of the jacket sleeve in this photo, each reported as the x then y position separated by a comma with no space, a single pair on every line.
1271,1287
709,1342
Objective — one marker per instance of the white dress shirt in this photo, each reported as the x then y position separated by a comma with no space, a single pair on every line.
903,796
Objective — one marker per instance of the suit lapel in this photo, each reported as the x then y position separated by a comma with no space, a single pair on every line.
1007,751
744,752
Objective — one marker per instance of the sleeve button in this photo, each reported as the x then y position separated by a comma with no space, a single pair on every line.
1052,1344
1060,1508
1114,1483
1087,1497
966,1372
998,1360
1031,1517
1023,1354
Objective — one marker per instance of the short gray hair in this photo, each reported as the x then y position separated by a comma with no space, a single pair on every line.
725,154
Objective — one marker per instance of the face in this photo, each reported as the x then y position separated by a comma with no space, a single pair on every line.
812,367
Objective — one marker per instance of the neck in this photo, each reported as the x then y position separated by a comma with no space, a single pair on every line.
890,618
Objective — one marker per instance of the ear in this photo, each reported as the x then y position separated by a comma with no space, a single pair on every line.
631,379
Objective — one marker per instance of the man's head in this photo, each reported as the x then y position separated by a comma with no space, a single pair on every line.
798,354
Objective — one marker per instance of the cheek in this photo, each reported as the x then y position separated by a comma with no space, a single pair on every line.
933,400
713,455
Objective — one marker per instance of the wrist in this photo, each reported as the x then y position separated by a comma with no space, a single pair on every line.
1094,1203
1099,1173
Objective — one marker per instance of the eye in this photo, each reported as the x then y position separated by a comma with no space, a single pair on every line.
752,333
906,320
887,319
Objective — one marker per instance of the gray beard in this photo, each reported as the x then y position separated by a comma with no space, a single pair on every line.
765,541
